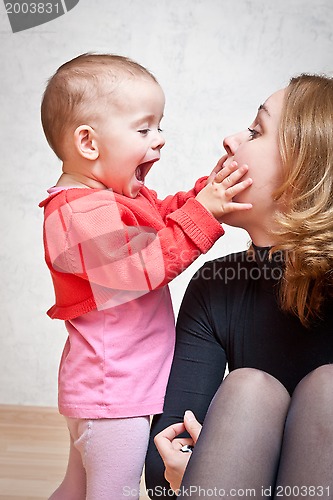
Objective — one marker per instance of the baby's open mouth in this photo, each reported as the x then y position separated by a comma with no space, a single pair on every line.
139,174
142,170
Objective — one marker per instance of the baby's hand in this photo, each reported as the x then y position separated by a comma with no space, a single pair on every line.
217,169
217,196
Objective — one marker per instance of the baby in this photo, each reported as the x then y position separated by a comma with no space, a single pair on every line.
112,247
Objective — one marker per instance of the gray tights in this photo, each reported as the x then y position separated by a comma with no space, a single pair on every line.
258,442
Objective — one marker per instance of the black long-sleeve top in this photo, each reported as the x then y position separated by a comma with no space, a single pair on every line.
230,314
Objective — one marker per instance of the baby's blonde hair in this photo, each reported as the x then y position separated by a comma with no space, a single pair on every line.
79,91
306,224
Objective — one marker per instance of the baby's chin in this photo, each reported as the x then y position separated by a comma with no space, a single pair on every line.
134,189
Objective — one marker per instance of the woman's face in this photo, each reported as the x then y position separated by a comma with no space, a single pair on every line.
258,148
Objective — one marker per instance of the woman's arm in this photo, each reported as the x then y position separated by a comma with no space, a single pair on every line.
197,372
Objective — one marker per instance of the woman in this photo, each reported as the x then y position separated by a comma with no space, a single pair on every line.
268,432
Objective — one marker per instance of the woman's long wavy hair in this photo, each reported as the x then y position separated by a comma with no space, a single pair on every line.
305,232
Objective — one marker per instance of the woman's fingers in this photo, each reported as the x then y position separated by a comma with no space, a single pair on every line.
164,440
192,425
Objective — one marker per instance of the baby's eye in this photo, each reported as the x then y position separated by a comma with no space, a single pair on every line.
144,131
253,133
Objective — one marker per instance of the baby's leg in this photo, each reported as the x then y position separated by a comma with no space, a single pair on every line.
73,486
238,450
113,453
306,467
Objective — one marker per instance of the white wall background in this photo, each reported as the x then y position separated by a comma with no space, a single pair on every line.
217,60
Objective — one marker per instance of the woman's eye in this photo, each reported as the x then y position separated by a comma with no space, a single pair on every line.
253,133
144,131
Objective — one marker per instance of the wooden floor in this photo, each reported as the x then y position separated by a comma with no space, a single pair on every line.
33,452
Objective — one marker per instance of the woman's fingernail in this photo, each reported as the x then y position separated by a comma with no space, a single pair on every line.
189,415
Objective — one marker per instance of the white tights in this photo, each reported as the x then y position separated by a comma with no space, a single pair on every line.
105,460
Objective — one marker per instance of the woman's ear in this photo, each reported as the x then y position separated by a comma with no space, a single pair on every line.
85,142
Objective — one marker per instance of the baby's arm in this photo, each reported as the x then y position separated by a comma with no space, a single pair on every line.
121,244
222,187
103,241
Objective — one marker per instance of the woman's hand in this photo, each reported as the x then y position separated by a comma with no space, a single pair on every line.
169,447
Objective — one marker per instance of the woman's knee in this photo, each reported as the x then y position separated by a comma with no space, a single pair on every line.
316,387
256,385
250,402
311,409
257,380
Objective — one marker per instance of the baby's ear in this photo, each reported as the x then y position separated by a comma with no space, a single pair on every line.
85,142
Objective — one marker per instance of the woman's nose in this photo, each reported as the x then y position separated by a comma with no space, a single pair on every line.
232,142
